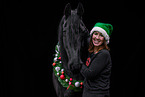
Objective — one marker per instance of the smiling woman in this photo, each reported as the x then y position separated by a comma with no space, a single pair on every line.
100,37
97,70
97,39
97,42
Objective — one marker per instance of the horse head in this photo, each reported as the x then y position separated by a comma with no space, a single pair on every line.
73,39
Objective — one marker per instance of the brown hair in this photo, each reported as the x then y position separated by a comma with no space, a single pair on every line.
103,46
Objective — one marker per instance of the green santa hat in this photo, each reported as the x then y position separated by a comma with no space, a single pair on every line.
104,28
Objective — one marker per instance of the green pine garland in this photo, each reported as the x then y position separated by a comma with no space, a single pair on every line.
64,79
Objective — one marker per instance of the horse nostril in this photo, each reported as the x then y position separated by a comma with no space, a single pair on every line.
75,66
71,67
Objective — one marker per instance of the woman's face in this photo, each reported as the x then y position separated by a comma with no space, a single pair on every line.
97,38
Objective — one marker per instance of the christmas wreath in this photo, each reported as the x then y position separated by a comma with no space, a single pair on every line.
63,78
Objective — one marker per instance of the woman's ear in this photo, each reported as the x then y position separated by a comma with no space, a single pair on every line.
67,10
105,42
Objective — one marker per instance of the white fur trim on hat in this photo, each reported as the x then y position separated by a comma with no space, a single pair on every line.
104,33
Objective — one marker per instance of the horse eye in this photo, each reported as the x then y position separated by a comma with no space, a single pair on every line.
64,33
82,27
65,24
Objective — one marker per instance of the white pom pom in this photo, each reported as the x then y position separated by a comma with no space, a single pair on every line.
62,70
58,74
55,59
56,51
66,80
56,55
77,84
57,68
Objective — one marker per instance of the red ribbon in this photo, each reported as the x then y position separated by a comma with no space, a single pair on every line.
69,86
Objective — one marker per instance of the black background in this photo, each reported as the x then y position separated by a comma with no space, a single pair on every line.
28,36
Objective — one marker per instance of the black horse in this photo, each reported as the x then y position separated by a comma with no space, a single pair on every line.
73,41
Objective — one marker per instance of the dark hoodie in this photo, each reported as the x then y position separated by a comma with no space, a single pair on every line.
97,73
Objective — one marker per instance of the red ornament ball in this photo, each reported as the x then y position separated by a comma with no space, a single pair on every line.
69,83
54,64
81,83
70,79
62,72
59,58
62,77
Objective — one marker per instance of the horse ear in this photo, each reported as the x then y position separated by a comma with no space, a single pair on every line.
80,9
67,10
